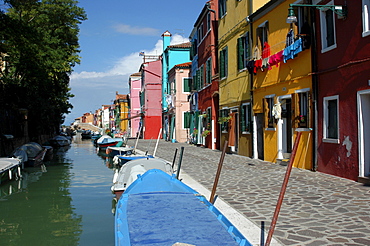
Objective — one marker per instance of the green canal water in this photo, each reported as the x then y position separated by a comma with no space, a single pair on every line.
66,202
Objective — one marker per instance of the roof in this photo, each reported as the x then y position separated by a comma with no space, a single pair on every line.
183,45
183,65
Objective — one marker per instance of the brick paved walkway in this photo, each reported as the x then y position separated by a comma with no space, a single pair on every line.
318,209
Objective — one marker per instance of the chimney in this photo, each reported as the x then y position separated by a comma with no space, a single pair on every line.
166,39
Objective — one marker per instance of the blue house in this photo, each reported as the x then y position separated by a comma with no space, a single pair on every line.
172,55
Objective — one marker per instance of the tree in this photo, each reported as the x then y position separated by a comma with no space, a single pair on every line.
39,44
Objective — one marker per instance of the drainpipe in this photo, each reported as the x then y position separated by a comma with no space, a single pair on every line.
315,90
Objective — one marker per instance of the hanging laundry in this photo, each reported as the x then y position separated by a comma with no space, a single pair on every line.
265,50
291,51
257,65
275,59
265,64
256,53
250,67
289,38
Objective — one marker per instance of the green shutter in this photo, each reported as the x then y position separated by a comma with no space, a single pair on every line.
240,54
222,64
242,115
186,86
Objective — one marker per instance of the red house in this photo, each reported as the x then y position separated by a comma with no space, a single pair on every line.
205,76
151,99
343,89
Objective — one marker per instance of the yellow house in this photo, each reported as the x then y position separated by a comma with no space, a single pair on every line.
122,112
235,83
282,84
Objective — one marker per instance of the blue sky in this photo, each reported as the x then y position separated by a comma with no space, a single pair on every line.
110,42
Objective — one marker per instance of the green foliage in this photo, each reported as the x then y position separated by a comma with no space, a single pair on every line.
39,45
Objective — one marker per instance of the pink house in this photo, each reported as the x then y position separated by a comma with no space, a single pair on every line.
151,98
135,110
179,78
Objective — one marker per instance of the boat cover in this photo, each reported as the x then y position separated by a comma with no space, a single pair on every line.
157,209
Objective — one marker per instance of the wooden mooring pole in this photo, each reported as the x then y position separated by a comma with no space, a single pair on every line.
282,191
211,199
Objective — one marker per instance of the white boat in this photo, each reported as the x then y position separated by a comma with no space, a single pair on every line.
128,173
10,168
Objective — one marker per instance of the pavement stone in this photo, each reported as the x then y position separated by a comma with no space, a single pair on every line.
318,209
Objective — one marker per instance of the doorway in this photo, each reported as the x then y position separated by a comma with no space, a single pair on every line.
363,98
285,131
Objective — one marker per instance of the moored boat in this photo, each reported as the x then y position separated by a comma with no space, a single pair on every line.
9,169
127,174
32,154
86,134
60,141
105,141
158,209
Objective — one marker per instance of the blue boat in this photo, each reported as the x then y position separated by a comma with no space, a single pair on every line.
159,210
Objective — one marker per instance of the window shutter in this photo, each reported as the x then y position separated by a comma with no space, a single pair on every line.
226,61
242,115
222,64
266,112
240,53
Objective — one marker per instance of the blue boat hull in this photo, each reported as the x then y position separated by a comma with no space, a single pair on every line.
157,209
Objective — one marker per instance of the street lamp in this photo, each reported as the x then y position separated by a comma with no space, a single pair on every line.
341,11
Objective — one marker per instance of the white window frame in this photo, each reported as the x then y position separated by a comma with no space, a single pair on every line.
323,27
365,18
326,119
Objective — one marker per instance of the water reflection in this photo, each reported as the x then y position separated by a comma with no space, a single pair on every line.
37,209
67,201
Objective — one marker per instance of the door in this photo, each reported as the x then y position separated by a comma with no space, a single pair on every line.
364,133
286,116
259,132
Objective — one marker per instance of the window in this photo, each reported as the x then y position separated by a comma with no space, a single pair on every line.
331,119
201,78
328,41
224,120
209,71
268,103
262,33
303,117
200,33
365,17
243,54
208,119
223,63
186,119
208,21
222,7
173,87
245,115
186,83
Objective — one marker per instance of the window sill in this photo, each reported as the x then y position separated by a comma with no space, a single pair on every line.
365,34
303,129
330,140
246,133
270,129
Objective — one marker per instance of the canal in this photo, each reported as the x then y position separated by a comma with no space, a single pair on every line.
65,202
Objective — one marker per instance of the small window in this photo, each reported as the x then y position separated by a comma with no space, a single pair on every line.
303,117
262,33
365,18
222,8
209,71
331,119
270,117
243,53
245,115
186,85
327,21
208,21
224,120
223,63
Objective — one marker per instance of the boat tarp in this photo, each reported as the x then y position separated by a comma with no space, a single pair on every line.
167,212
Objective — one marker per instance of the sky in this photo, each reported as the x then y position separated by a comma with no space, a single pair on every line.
111,39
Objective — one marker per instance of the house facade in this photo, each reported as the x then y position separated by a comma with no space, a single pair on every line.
205,95
179,79
343,73
234,85
171,56
150,99
135,110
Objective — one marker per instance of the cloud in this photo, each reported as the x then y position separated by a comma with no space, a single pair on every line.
135,30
